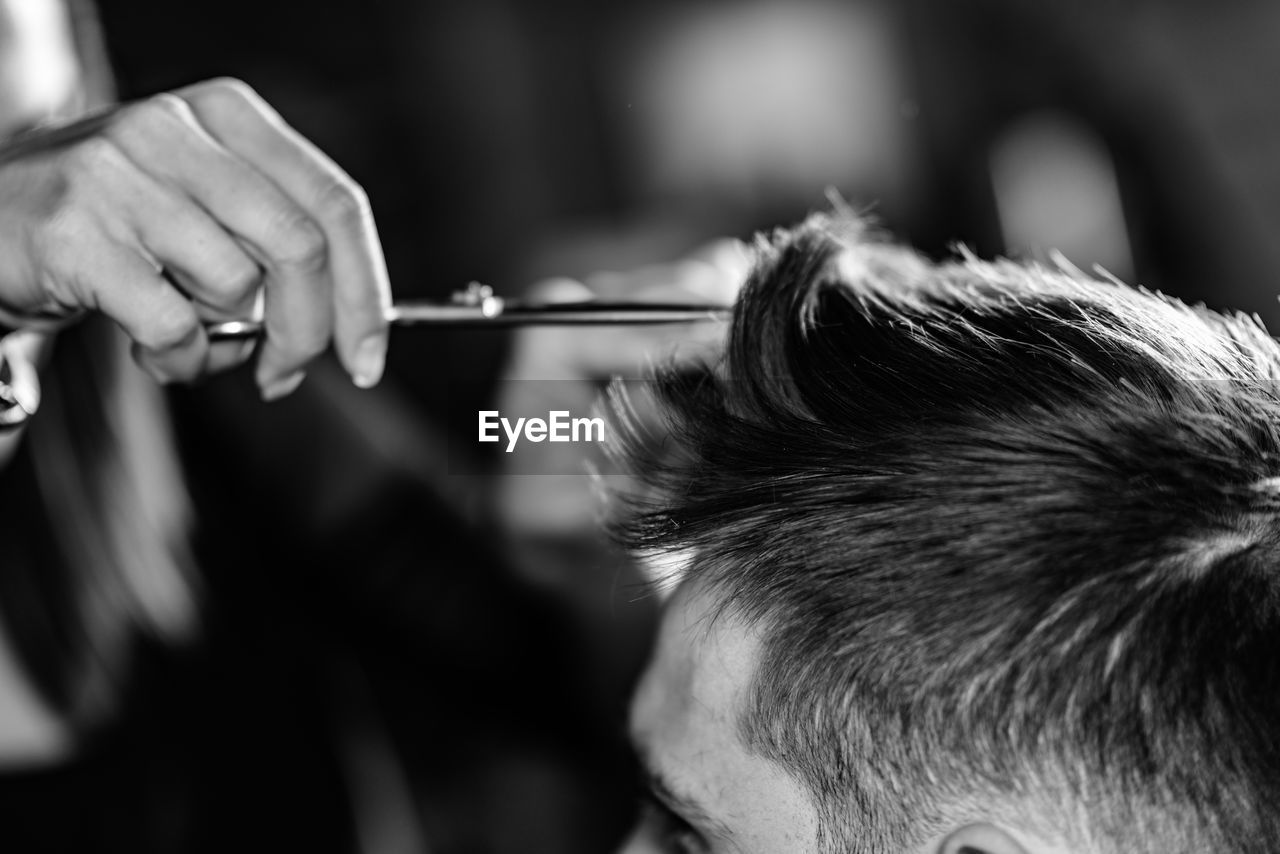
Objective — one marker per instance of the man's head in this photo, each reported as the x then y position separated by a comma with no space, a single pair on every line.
974,556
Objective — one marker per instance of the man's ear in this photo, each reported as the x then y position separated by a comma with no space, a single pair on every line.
980,838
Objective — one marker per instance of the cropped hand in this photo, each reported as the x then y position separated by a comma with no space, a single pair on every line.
194,206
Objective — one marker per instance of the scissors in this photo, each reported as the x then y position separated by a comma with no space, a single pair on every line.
476,307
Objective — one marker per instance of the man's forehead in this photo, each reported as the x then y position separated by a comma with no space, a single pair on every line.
684,716
701,668
684,721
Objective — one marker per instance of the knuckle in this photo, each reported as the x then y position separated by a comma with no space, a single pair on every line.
298,242
231,86
95,155
345,202
159,112
162,108
227,98
235,279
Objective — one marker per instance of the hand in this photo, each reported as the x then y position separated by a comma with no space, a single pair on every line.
561,500
193,206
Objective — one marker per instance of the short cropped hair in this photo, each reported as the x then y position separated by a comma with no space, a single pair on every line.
1011,532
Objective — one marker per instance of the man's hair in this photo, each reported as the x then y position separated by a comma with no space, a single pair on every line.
1011,533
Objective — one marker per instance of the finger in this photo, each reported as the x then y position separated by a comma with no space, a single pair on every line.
166,134
169,342
246,125
211,267
227,354
224,355
131,205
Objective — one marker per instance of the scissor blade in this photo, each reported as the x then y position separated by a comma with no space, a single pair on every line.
513,313
591,312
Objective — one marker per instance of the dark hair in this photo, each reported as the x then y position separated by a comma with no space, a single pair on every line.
1011,532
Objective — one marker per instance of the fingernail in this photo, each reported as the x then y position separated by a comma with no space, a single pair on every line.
283,386
369,361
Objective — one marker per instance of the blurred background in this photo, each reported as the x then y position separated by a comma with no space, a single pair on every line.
472,699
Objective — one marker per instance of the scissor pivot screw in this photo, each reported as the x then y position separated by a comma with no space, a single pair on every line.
477,295
473,294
